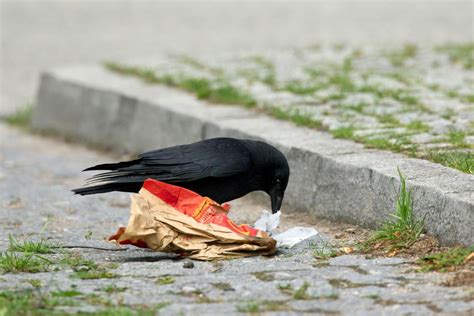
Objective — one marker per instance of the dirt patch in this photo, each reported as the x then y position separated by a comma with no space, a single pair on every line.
463,277
425,245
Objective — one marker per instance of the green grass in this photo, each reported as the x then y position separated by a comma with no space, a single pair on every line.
249,307
267,65
21,118
323,251
468,98
114,289
29,303
343,132
39,303
193,62
39,247
381,143
388,119
398,57
286,288
301,88
462,161
457,138
76,261
462,54
67,293
216,91
295,116
11,262
402,229
445,260
418,126
164,280
94,274
302,292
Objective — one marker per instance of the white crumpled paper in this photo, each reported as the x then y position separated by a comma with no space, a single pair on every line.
287,239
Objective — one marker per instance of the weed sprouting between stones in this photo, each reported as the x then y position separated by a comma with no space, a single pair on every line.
39,247
463,161
462,53
314,82
21,118
447,260
216,91
248,307
164,280
324,250
35,302
112,288
11,262
255,307
403,229
302,292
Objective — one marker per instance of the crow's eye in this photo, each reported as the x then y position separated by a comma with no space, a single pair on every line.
278,180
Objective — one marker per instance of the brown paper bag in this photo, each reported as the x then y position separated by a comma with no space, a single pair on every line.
168,218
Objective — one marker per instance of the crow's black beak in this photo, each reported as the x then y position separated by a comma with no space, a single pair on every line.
276,197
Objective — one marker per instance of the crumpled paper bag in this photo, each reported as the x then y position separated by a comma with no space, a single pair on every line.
169,218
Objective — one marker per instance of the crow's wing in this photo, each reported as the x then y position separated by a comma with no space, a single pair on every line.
219,157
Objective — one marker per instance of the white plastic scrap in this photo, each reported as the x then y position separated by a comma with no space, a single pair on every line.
294,236
269,222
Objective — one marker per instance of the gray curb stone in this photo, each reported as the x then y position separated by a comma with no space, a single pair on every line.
331,178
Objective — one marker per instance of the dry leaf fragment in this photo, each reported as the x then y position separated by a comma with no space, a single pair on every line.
347,250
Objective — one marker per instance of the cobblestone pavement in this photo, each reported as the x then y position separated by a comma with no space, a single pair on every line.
36,176
405,98
71,32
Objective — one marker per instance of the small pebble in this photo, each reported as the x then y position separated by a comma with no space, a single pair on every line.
188,289
188,265
82,269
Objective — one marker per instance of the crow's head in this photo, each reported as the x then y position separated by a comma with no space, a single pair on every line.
276,173
278,182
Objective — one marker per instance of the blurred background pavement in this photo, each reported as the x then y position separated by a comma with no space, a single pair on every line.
39,34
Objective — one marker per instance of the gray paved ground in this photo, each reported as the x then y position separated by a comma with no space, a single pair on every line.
36,175
37,35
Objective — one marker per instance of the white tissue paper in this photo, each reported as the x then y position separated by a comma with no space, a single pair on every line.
269,222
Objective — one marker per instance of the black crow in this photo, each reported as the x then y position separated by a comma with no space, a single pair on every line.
220,168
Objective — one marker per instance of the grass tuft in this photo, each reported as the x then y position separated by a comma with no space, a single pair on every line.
14,263
28,246
302,292
295,116
324,251
446,260
21,118
403,229
418,126
94,274
343,132
398,58
460,160
462,54
248,307
457,138
114,289
164,280
217,90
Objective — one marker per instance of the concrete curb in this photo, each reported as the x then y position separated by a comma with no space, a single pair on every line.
330,178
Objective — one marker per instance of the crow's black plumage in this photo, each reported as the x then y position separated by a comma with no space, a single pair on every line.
220,168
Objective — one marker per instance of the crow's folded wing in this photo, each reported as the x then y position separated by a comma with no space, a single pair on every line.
220,157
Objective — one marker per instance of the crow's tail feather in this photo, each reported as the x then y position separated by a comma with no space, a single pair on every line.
109,187
113,166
